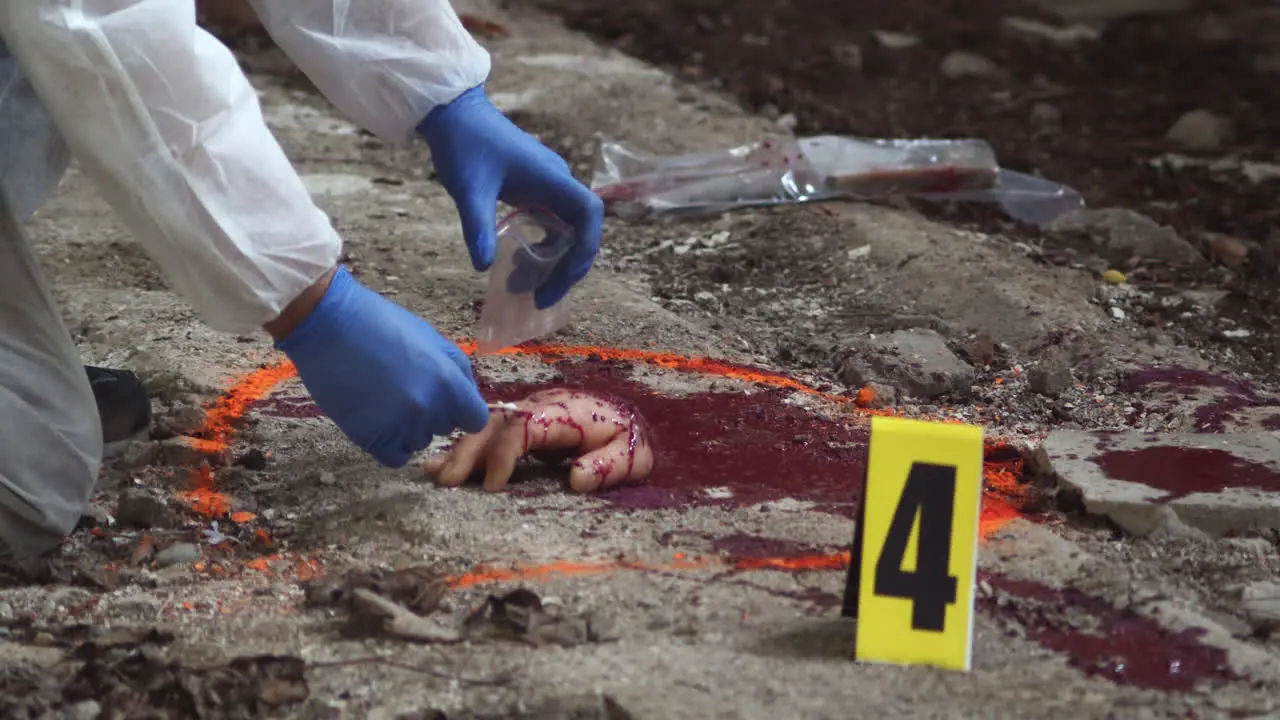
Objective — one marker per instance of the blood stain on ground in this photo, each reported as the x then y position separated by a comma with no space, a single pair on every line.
1182,378
1212,416
747,551
724,449
1182,471
772,450
744,545
1124,647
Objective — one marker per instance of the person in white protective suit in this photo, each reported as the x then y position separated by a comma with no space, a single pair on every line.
158,113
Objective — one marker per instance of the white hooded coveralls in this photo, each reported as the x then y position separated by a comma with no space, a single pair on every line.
160,116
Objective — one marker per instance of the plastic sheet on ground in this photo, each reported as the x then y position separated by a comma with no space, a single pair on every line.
787,170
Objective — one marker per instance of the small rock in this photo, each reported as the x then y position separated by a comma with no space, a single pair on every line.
1044,115
882,395
1124,231
95,516
960,64
1052,376
705,298
64,597
140,510
177,554
181,420
1204,299
6,611
1261,604
1058,35
84,710
917,360
853,373
1201,130
135,454
602,627
140,606
848,55
980,349
1228,251
895,41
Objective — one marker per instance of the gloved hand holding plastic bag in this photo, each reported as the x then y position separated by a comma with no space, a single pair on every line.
481,157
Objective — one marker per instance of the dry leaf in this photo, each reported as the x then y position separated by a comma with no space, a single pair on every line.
421,590
129,675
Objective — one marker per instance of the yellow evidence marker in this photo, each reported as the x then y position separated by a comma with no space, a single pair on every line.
916,545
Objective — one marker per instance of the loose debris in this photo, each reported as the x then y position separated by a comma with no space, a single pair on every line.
55,571
397,604
521,615
420,590
128,672
1261,604
372,612
393,603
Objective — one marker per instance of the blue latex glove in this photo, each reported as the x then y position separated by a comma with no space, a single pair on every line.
481,157
382,374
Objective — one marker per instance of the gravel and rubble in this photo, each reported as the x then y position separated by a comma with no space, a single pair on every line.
622,606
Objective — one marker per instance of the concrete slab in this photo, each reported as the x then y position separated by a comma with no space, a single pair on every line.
1215,483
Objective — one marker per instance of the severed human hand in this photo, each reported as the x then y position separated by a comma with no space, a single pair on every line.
610,440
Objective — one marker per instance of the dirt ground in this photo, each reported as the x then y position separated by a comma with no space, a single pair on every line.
712,591
1092,114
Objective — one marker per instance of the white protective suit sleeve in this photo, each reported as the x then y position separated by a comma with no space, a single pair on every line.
159,114
384,63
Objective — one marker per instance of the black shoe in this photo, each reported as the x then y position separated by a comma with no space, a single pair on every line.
123,406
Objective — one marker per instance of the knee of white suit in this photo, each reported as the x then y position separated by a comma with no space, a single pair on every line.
49,460
50,431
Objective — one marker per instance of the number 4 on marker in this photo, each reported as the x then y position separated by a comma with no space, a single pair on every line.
928,503
915,546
